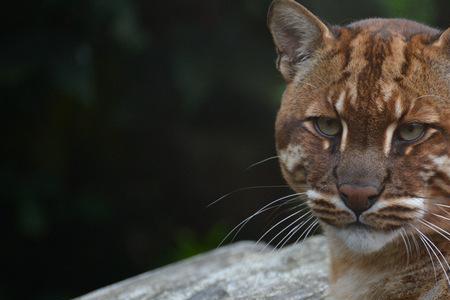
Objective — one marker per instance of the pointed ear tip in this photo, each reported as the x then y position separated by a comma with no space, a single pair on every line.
277,4
444,38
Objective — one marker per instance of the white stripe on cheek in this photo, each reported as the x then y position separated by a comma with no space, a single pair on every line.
388,138
344,136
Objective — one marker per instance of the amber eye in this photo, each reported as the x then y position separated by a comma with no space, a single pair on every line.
328,127
411,132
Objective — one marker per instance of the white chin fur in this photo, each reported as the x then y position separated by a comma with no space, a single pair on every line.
362,240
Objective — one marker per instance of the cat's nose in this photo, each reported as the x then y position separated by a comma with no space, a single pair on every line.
358,198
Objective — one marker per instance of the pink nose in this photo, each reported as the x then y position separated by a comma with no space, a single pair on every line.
358,198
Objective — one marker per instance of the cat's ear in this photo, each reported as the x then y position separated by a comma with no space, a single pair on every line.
444,40
297,34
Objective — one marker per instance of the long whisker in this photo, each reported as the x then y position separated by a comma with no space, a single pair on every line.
431,257
315,225
280,222
290,209
307,230
289,226
408,241
406,246
416,244
239,230
443,205
261,210
436,229
430,95
431,245
247,189
261,162
443,258
292,232
439,216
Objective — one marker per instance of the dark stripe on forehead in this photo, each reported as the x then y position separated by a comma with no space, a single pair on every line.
407,53
377,49
347,36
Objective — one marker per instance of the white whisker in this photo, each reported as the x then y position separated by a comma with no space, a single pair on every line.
261,162
292,232
416,244
307,230
406,246
280,222
443,205
436,229
287,227
315,225
247,189
439,216
261,210
432,245
431,257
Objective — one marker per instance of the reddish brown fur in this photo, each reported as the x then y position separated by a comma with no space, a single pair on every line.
383,72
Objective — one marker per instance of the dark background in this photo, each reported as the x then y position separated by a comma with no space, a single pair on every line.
123,119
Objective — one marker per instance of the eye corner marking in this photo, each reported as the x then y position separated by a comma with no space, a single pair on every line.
339,105
389,134
344,136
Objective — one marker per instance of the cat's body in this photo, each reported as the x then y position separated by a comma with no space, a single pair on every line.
365,125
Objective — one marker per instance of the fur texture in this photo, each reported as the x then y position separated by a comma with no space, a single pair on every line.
374,76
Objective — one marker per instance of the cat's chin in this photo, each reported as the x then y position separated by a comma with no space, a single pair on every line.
362,239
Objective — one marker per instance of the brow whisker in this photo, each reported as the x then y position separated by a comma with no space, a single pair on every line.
261,162
429,95
247,189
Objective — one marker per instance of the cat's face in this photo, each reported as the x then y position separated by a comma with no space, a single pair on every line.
364,123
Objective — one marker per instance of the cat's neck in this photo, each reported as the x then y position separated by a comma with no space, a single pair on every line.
397,267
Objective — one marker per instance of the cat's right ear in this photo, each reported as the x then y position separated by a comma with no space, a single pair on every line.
297,34
444,41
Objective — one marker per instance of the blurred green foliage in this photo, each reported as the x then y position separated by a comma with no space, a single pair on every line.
418,10
123,119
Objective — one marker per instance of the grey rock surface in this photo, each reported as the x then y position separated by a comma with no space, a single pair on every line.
242,270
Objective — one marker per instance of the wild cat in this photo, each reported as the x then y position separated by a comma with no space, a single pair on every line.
364,123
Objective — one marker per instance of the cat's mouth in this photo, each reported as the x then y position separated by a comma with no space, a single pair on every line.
358,226
387,215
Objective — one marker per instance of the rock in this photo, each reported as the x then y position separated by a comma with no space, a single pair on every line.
242,270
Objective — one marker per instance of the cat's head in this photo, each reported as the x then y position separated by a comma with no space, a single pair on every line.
364,122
